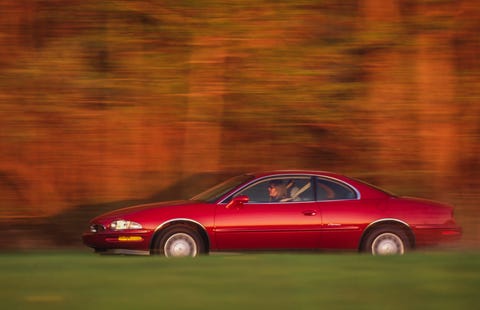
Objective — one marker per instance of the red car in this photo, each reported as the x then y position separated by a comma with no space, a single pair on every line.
281,210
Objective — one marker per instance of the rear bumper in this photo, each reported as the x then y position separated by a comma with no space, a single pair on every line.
426,236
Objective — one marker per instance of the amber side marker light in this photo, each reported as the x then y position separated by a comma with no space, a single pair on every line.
129,238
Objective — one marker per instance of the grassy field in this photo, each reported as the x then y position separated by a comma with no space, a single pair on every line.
81,280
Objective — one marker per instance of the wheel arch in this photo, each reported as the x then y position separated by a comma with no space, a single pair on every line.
388,222
181,222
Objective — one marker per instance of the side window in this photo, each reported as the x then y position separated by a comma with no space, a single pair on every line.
331,190
300,189
257,192
282,189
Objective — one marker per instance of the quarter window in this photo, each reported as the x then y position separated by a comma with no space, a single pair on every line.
332,190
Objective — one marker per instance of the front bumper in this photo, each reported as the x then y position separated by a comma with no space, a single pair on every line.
131,240
122,252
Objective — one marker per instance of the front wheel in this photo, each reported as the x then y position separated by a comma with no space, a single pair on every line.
179,241
386,241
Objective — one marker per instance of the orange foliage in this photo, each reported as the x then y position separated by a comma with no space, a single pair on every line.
109,101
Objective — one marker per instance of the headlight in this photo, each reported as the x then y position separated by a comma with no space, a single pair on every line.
122,225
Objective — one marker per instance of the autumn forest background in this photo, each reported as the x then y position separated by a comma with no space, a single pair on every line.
107,103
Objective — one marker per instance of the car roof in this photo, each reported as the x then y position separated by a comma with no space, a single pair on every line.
259,174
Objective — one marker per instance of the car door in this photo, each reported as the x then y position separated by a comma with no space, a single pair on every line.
344,215
291,222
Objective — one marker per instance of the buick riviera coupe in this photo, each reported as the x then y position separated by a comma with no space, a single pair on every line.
280,210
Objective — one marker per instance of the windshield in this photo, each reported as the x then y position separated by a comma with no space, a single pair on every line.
214,193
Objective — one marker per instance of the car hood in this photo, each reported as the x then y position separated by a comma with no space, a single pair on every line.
134,209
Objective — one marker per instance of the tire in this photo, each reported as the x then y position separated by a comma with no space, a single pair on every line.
386,241
179,241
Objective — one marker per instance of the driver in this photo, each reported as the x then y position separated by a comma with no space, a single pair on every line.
277,190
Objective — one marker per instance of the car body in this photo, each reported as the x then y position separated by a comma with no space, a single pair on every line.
317,211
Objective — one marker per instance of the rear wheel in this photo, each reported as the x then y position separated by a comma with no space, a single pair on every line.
179,241
386,241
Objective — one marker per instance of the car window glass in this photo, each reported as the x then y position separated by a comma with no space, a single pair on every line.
284,189
331,190
213,193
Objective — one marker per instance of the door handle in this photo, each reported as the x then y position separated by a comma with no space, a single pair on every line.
309,212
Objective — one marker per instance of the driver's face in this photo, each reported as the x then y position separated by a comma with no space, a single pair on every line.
273,190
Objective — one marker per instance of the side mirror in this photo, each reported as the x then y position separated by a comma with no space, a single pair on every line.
237,201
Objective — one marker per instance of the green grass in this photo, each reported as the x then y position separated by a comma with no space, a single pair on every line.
78,280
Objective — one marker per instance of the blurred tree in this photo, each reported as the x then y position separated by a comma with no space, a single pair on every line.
112,100
466,46
382,40
435,73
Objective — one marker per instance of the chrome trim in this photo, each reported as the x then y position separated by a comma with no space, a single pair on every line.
282,203
179,219
386,220
307,175
159,227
